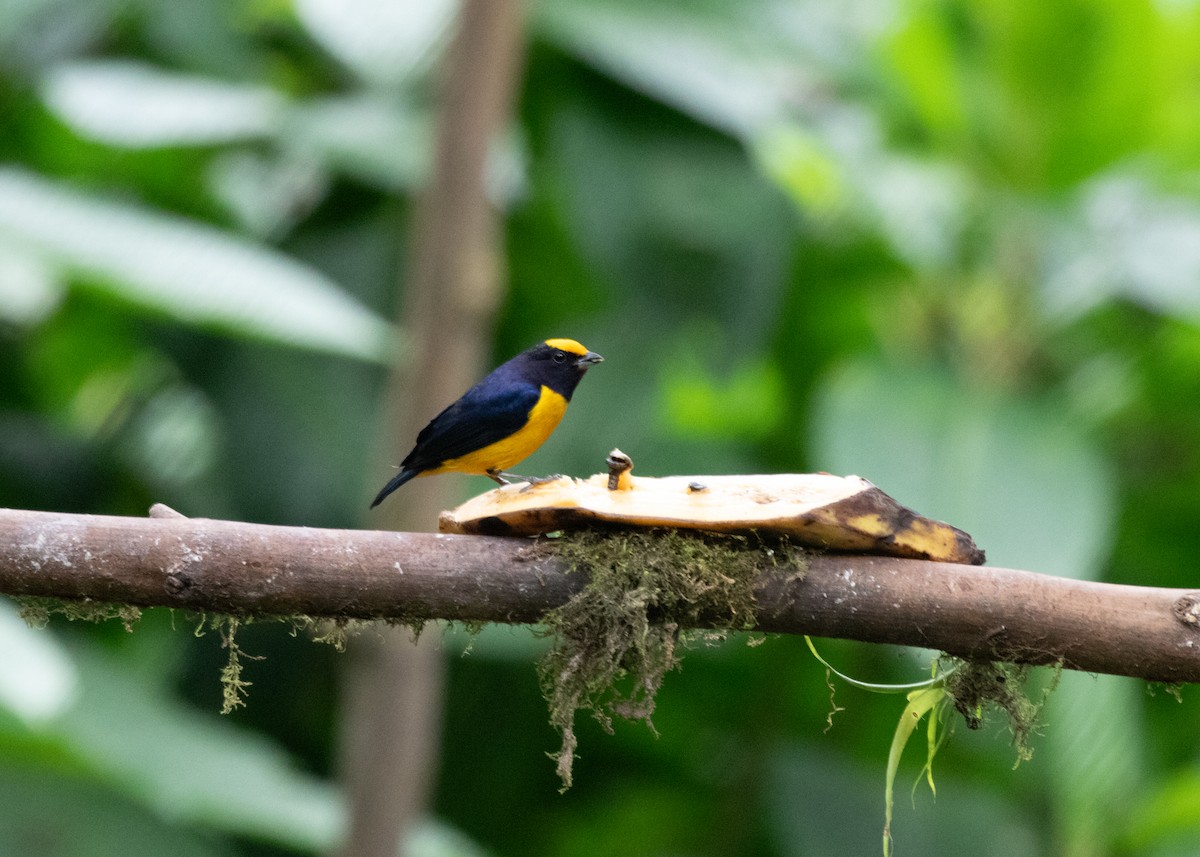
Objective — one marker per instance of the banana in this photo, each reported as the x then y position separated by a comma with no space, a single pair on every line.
817,510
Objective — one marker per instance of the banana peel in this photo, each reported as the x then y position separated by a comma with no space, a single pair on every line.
818,510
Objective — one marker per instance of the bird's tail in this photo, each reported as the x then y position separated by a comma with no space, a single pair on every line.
395,482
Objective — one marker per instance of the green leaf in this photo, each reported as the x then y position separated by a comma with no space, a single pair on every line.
1026,480
36,33
52,813
746,403
1095,747
839,167
822,802
1023,477
135,105
801,164
921,54
387,142
38,680
920,703
267,195
434,839
190,767
936,678
733,66
30,289
1166,814
1126,239
384,41
192,272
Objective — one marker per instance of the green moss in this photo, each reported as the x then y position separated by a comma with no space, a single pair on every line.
616,640
334,632
37,611
1173,690
974,687
233,686
414,626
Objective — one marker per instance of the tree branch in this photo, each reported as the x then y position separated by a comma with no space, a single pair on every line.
971,611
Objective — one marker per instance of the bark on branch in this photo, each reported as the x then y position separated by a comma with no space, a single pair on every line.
225,566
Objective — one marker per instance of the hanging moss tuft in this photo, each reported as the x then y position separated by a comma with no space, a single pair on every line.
618,637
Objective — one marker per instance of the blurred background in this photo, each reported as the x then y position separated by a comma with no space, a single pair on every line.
951,247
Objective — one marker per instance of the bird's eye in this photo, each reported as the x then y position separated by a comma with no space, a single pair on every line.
559,357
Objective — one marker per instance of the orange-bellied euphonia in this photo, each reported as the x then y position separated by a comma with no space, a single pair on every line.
501,420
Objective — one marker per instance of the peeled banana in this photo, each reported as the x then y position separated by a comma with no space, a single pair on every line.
818,510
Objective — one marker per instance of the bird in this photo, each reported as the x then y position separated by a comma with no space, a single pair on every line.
500,421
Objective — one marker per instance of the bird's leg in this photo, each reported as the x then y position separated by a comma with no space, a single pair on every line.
541,480
500,478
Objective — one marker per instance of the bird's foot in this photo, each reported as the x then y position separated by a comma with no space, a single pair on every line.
502,478
542,480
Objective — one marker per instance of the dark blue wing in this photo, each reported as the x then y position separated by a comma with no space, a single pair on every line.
490,411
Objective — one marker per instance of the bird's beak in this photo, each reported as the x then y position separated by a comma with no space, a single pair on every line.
588,359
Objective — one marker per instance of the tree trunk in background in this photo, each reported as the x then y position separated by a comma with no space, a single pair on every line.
453,287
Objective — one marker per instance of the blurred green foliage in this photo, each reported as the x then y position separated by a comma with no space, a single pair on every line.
952,247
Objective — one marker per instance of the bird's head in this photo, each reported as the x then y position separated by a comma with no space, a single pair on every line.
558,364
568,352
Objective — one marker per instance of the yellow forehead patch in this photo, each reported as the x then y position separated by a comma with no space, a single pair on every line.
569,345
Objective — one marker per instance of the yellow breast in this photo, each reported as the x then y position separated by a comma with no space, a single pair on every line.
503,454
